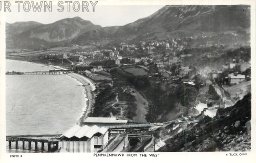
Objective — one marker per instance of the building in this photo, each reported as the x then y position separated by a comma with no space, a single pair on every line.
150,49
137,60
86,138
215,74
104,121
167,45
119,57
117,62
185,70
97,69
232,65
111,54
236,79
225,67
65,56
76,58
116,53
91,136
160,64
54,56
189,83
87,62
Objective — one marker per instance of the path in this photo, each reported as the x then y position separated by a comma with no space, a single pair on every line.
142,105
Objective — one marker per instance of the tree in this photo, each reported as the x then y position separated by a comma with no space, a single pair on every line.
186,95
213,94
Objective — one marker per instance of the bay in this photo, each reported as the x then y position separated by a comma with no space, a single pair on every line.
40,104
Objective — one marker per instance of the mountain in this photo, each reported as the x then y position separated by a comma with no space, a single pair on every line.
46,35
62,30
13,30
194,18
228,23
20,27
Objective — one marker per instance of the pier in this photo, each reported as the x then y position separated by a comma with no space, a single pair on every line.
96,134
50,72
35,143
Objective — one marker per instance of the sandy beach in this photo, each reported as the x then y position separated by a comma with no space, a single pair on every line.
89,86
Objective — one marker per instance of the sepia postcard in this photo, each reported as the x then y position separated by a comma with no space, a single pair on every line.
112,80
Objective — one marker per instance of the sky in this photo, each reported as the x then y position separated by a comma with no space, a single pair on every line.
103,15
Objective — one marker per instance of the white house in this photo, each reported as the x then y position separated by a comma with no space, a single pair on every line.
117,62
232,65
160,64
97,69
236,79
137,60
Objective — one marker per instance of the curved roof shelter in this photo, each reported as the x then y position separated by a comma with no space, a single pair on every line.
83,132
70,132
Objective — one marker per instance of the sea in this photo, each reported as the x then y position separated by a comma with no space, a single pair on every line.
41,104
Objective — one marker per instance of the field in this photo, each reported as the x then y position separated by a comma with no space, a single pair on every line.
97,77
136,71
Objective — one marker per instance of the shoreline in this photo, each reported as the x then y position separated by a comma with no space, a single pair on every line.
89,87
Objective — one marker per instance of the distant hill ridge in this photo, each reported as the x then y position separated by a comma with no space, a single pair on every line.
168,22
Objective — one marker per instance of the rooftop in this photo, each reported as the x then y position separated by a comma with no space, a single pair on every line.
104,120
84,131
239,76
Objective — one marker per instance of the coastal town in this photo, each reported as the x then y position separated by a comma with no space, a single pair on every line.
189,93
119,80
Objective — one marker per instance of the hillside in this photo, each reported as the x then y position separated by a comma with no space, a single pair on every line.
217,24
20,27
45,35
228,131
